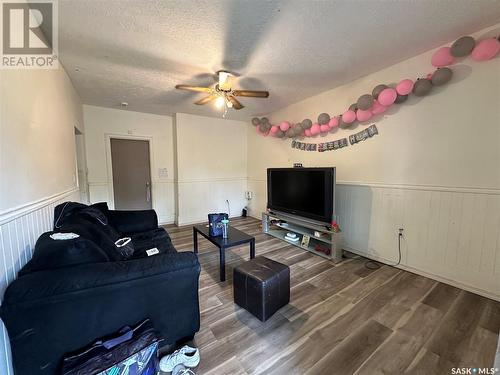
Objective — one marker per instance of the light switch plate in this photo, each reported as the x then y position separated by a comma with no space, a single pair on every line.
162,172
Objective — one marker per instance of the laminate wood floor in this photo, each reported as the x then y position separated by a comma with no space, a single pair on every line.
342,319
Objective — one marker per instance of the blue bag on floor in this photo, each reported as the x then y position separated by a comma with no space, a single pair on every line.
131,351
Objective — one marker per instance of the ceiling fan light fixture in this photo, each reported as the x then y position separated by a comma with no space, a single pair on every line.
222,94
224,80
220,101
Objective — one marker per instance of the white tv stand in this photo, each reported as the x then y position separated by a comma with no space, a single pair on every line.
328,239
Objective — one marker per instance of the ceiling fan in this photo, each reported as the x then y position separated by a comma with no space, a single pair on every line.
223,93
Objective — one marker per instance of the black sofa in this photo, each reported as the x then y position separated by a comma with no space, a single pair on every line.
74,291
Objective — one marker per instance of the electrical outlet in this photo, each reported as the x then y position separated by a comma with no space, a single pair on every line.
248,194
400,231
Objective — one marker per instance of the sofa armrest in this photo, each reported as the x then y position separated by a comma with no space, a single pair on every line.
50,313
133,221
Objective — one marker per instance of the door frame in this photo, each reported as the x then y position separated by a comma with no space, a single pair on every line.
78,132
109,163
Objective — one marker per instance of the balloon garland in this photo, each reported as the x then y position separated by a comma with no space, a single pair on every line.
383,96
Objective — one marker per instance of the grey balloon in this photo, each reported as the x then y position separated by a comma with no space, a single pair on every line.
323,118
462,46
353,107
441,76
255,121
422,87
263,128
290,133
306,124
378,89
264,120
280,134
365,102
401,99
297,129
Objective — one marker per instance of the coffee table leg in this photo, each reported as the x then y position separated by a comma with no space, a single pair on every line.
195,241
222,264
252,249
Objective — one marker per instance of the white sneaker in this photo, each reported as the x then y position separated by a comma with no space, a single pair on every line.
182,370
187,356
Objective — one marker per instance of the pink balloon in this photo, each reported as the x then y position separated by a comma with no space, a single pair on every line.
404,87
324,128
486,49
284,125
378,108
307,132
442,57
315,129
349,116
274,129
334,122
363,115
387,96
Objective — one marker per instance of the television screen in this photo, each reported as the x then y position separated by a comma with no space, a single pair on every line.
307,192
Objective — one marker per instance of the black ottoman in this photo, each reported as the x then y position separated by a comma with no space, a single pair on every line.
261,286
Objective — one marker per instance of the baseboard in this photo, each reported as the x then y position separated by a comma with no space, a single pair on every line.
198,221
457,284
167,222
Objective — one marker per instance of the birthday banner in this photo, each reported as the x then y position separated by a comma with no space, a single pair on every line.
337,144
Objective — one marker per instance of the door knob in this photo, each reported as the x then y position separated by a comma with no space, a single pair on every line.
148,192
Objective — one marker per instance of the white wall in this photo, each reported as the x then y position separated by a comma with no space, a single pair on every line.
100,123
211,166
434,169
39,110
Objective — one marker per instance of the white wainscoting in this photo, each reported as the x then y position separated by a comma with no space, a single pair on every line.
450,234
162,193
19,229
197,198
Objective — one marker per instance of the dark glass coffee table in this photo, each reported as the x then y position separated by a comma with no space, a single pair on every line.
235,237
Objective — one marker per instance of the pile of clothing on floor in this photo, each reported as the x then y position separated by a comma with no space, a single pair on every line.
131,350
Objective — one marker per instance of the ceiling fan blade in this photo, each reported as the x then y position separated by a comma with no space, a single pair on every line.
236,103
193,88
251,93
206,99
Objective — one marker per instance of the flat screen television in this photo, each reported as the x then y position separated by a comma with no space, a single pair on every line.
306,192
